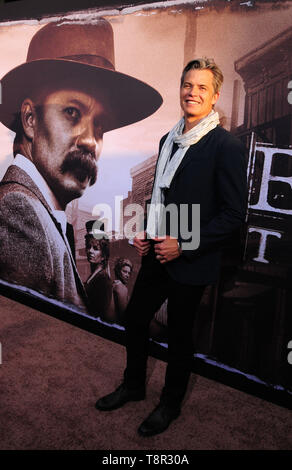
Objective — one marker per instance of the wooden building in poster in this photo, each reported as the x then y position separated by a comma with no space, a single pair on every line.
266,72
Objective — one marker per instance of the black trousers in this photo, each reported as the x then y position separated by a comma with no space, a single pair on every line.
153,286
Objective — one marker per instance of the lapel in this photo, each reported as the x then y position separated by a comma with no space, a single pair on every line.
192,153
16,175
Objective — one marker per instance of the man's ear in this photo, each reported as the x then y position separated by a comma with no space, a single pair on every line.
215,98
28,118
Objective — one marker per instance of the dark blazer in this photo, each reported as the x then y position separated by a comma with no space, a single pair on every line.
212,174
33,252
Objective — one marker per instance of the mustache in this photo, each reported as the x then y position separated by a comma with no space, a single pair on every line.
82,164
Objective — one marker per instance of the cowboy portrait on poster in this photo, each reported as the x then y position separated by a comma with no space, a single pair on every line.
59,103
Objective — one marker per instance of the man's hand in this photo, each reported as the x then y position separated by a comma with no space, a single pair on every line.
141,244
166,249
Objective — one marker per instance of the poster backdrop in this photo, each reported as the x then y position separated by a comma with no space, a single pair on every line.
244,321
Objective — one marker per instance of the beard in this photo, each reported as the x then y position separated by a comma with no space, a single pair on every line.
82,165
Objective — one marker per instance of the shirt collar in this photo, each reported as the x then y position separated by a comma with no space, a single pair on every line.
29,167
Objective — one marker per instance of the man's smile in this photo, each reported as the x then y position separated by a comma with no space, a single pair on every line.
189,101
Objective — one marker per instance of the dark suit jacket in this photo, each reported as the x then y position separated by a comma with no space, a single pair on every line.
212,174
33,252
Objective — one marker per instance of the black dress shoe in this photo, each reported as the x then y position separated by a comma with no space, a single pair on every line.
119,397
159,420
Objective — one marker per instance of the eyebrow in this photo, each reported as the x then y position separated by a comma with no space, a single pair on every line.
105,114
78,103
199,84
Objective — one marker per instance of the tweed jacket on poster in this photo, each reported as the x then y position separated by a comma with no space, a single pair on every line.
33,252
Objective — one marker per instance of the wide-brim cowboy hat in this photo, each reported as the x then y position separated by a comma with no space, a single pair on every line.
67,50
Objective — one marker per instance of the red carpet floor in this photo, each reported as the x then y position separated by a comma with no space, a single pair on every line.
52,373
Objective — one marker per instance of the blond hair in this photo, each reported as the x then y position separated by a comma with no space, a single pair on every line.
205,64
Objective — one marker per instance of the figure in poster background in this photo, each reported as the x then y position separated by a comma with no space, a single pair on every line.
98,286
199,163
123,269
59,103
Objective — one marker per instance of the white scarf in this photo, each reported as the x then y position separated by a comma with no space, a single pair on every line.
166,168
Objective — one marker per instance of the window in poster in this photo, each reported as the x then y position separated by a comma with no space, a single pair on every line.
290,92
244,320
290,353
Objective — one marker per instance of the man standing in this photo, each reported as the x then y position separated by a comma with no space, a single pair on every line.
59,103
199,163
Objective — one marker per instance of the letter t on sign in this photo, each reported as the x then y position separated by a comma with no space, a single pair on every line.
263,242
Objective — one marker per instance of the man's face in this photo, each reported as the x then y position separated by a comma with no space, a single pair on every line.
67,141
197,94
